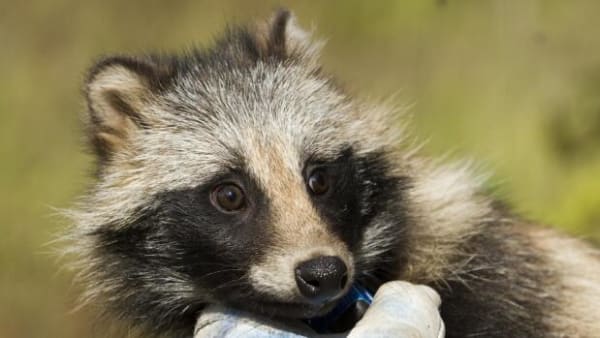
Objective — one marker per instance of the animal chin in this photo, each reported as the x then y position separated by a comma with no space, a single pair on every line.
296,310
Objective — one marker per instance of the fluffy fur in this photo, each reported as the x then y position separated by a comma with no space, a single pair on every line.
257,110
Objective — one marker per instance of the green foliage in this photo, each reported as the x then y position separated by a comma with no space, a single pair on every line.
514,84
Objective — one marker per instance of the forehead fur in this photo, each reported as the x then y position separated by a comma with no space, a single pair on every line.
258,92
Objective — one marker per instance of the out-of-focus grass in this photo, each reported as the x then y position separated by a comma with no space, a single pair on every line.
512,83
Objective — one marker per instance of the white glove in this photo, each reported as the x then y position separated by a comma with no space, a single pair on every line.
402,310
218,321
399,309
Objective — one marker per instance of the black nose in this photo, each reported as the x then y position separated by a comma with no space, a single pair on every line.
322,278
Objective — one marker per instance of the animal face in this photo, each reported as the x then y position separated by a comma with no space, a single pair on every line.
240,175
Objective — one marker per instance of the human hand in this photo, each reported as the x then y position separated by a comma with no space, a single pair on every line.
400,309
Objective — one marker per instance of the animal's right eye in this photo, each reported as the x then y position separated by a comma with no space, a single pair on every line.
228,198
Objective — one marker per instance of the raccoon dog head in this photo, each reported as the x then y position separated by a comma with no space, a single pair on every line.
240,175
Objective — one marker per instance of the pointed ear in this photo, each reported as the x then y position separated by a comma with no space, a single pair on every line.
117,90
286,39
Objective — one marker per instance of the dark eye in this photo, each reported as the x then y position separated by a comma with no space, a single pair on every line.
318,182
228,197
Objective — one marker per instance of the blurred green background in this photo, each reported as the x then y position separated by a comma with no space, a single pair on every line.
514,84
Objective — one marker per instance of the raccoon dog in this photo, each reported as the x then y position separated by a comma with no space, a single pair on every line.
242,174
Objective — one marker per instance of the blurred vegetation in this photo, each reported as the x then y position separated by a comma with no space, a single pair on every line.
514,84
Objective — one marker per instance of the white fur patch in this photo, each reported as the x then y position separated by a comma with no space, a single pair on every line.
578,266
446,208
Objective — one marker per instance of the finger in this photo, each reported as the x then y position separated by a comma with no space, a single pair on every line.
402,289
401,309
218,321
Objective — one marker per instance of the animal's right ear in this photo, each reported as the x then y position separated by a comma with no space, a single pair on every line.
117,91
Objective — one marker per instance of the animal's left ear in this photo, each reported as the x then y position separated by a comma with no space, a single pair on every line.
283,38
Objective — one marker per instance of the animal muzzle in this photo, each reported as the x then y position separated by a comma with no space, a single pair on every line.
322,279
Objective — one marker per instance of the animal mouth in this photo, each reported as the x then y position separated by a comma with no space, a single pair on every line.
295,310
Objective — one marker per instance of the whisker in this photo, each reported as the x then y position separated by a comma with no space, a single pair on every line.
220,271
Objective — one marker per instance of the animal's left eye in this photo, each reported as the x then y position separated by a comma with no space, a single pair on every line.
319,182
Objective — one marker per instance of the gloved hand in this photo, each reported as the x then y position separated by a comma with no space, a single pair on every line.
399,309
